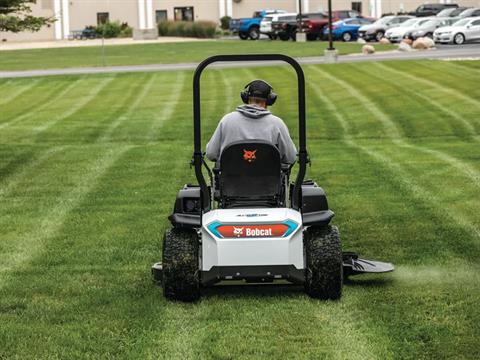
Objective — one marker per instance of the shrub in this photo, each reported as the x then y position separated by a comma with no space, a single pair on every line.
225,22
198,29
114,29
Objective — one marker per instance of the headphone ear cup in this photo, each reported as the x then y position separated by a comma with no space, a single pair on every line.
271,98
244,96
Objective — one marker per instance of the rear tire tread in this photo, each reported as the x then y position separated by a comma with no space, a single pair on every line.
181,275
324,265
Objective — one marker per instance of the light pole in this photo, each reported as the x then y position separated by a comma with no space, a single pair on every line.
300,35
330,41
331,53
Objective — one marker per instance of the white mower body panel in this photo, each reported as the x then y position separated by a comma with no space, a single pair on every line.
252,237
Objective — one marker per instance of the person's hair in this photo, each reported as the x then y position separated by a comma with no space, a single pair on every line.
257,101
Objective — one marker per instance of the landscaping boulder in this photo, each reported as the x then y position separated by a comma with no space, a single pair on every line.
368,49
419,44
361,41
407,41
403,46
423,43
384,41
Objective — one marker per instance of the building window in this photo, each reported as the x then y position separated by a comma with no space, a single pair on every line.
102,18
357,6
183,13
160,15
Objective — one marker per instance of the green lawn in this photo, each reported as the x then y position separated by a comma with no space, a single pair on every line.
89,169
161,53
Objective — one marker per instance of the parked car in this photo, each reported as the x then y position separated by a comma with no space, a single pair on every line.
250,27
288,28
461,31
396,34
266,23
282,27
428,27
314,24
431,9
472,12
452,12
345,14
347,29
377,30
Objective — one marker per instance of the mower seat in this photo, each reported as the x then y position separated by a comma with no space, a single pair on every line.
250,174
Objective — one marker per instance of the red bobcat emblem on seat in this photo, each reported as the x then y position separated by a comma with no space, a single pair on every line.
249,155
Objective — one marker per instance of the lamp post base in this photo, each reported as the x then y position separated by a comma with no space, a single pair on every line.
301,37
331,56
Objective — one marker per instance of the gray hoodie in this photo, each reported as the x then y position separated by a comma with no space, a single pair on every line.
251,122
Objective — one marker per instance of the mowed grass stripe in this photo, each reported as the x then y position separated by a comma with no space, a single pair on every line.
454,93
170,105
401,174
79,104
391,129
5,99
397,78
32,99
30,114
9,183
131,107
31,242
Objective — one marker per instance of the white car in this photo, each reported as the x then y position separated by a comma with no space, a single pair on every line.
396,34
266,23
463,30
429,27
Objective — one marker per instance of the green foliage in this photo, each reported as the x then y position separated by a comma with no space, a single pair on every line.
15,16
225,22
113,29
196,29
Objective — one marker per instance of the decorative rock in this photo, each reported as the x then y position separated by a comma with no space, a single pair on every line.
429,42
384,41
361,41
423,43
403,46
407,41
368,49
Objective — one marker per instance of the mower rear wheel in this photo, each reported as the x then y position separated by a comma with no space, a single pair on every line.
181,275
324,265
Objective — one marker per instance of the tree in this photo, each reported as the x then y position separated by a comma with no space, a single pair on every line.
15,16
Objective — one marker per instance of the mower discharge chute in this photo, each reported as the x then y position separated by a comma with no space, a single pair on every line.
251,223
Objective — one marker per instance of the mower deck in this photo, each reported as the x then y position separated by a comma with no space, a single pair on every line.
352,265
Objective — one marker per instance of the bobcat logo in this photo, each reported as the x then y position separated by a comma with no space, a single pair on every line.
238,231
249,155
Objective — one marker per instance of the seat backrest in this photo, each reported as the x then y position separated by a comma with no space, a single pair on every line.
250,170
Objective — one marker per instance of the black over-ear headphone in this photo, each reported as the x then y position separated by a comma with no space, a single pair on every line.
246,93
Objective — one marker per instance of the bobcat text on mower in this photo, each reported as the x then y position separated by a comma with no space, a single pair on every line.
250,223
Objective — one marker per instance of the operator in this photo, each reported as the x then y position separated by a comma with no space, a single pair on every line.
253,121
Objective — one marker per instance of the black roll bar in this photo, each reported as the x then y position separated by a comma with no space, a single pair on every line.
198,154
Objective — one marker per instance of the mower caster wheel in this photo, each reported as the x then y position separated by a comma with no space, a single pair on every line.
324,263
181,275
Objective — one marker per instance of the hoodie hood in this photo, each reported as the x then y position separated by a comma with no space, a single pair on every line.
253,111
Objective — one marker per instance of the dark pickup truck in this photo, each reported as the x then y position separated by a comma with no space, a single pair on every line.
286,29
431,9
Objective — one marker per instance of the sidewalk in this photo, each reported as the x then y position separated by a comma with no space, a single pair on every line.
94,42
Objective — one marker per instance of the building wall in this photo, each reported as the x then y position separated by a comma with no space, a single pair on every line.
84,12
